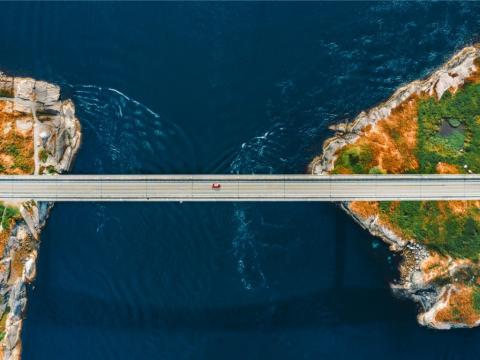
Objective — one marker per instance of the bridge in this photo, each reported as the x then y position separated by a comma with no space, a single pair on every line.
239,187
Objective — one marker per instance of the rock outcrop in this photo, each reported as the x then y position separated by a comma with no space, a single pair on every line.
450,76
435,281
42,135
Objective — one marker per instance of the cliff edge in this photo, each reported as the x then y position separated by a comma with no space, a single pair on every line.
427,126
39,134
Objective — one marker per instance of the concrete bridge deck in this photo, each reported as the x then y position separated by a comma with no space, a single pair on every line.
240,187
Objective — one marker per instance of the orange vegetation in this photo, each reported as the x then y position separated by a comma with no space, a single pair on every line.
475,76
364,209
16,145
392,142
460,307
4,235
393,139
445,168
390,145
16,157
20,255
435,267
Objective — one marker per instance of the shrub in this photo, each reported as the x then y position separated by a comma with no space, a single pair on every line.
9,215
12,149
51,169
6,93
376,170
476,299
43,155
461,108
357,159
23,164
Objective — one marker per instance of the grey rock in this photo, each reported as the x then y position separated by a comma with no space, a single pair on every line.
46,93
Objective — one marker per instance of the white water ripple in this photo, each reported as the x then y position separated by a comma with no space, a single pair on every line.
127,135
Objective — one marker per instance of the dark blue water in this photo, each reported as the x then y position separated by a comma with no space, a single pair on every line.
221,88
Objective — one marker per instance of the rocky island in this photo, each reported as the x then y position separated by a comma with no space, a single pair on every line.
39,134
427,126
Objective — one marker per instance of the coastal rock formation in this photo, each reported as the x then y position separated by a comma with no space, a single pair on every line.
39,134
427,126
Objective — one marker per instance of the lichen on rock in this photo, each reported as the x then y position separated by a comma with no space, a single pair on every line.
427,126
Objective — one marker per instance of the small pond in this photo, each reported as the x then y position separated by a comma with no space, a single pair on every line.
450,126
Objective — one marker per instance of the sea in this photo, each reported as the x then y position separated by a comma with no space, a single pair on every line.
223,88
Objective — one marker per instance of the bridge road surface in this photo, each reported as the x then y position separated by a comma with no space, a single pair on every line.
239,187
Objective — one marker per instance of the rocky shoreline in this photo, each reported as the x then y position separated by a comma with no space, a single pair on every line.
33,112
414,282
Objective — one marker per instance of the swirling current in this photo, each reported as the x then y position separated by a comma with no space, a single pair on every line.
222,88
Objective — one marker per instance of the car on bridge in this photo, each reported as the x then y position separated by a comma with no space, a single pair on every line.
216,186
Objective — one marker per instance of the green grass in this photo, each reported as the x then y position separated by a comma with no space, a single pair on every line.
376,170
415,218
43,155
456,140
476,299
21,159
8,215
51,169
447,233
12,149
460,236
22,163
444,231
460,108
355,158
3,320
457,235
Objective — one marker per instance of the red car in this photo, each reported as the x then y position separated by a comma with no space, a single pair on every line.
216,186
